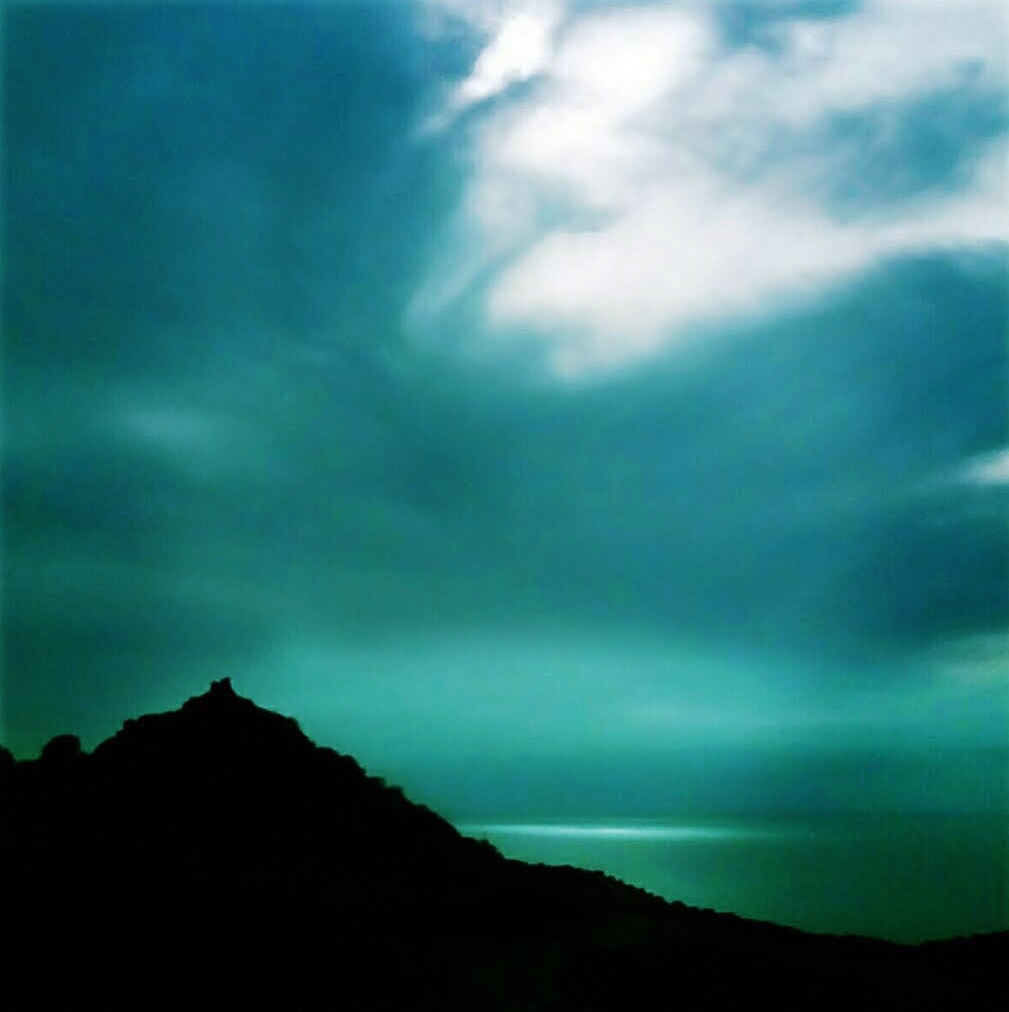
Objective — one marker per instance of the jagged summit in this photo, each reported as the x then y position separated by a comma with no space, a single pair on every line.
219,721
222,700
221,694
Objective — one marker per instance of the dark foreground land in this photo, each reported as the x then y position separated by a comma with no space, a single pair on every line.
214,857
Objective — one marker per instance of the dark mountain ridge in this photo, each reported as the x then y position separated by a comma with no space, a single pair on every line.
215,853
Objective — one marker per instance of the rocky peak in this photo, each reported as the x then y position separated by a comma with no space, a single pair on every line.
219,722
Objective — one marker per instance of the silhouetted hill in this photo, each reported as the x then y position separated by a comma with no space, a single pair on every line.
214,856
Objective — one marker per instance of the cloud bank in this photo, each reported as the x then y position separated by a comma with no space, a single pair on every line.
655,174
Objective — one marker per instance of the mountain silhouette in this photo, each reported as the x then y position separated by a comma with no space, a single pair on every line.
215,857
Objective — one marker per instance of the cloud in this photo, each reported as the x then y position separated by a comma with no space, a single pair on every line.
521,38
887,50
483,16
656,178
518,51
988,469
981,660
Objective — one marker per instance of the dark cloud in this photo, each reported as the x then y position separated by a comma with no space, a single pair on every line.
933,138
786,482
198,168
754,22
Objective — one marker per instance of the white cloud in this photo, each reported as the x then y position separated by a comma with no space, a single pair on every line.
890,49
692,250
519,50
619,62
988,468
643,185
519,47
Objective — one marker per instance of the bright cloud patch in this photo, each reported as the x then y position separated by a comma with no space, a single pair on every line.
656,177
521,36
988,469
518,51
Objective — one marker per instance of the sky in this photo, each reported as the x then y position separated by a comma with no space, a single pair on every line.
577,407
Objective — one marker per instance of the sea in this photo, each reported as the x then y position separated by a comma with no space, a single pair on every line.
900,876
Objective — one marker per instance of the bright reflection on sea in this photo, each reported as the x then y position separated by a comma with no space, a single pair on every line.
904,876
608,830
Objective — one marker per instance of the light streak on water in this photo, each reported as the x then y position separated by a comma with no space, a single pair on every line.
904,876
614,831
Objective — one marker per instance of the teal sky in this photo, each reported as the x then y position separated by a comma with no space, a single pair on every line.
562,406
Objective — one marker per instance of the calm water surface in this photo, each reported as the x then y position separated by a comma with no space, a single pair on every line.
899,876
